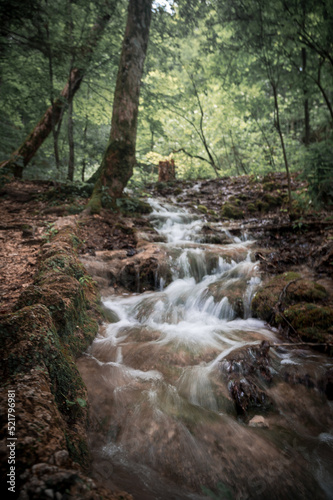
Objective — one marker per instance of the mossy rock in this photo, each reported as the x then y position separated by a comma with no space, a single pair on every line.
268,185
235,201
251,208
272,200
202,209
63,263
67,313
30,340
265,301
133,205
283,292
67,235
262,206
306,291
312,322
231,211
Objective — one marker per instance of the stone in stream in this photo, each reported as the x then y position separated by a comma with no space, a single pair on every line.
247,372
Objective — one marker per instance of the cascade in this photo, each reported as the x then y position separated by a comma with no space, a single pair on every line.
159,379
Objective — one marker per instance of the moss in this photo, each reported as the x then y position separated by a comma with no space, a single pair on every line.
231,211
95,202
272,200
251,208
31,340
312,321
262,206
63,263
307,291
235,201
268,185
74,209
202,209
77,449
296,304
266,300
125,229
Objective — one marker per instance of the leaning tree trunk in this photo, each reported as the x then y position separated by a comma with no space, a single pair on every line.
119,158
22,156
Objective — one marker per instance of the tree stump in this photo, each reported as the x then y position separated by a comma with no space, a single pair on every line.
166,171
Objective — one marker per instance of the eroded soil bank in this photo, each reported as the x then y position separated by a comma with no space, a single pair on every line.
50,309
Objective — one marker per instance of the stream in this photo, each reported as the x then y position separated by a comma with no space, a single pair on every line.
159,375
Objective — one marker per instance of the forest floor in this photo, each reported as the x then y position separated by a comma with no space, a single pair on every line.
255,206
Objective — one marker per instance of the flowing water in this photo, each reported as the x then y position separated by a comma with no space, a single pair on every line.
165,426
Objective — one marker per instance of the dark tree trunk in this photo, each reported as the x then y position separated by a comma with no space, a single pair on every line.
306,101
70,141
119,158
278,128
22,156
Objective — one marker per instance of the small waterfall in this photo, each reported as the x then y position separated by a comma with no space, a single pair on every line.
156,389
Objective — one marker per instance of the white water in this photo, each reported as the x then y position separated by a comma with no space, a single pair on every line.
155,382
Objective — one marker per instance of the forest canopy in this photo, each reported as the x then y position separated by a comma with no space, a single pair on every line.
229,88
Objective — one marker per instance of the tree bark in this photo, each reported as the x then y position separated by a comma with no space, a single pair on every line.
22,156
306,101
278,128
70,141
119,158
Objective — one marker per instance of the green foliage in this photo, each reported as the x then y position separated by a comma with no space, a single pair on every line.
318,171
206,88
49,232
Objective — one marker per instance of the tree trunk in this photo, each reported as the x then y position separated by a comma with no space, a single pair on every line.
278,127
119,158
306,101
70,175
22,156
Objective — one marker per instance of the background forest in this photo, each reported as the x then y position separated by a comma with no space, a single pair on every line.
230,87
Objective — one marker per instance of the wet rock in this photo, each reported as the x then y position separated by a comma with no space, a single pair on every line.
248,373
47,481
212,236
258,421
326,384
137,273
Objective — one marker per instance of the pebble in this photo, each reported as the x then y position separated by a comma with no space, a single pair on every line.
258,421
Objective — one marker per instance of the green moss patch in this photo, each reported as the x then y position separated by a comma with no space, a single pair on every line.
312,322
231,211
31,341
297,305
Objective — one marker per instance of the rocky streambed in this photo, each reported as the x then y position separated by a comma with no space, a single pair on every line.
191,393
